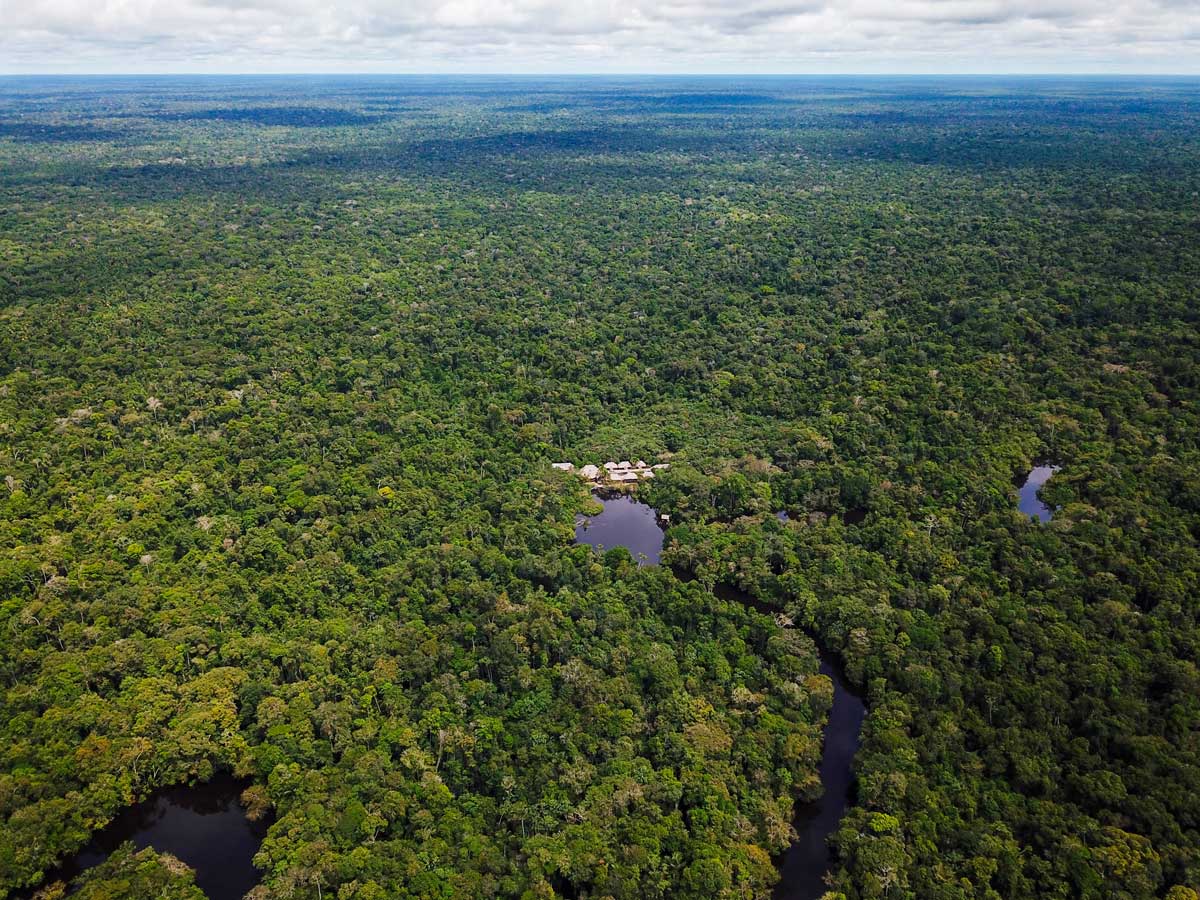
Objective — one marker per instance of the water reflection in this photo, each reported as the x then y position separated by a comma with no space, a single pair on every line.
204,826
803,865
1030,502
624,523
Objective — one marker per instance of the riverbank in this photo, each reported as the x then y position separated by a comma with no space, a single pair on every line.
202,825
803,866
629,523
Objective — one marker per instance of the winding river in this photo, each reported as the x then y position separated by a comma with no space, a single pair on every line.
802,867
205,826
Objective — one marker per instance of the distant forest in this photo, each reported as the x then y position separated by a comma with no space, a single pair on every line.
285,363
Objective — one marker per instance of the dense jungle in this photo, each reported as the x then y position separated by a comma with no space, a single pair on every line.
285,363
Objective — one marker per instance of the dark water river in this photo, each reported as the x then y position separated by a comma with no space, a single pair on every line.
802,867
1030,502
205,826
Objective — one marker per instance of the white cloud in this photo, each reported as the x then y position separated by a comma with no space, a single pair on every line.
601,35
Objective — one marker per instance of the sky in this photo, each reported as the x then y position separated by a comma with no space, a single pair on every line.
601,36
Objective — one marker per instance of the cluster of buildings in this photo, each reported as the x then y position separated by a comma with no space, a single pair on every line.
623,472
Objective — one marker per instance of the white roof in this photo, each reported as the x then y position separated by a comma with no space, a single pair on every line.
640,464
649,473
565,467
624,476
624,464
589,471
610,465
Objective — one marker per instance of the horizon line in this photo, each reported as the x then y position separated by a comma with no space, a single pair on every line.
600,74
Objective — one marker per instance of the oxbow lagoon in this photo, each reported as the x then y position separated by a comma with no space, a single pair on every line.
203,825
1029,494
626,522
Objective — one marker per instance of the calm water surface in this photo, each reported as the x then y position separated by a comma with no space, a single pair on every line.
624,523
205,826
802,867
1030,502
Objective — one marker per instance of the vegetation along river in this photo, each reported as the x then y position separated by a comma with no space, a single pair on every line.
623,523
627,523
1030,500
203,825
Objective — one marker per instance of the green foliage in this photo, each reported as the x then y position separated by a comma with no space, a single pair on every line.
130,875
281,377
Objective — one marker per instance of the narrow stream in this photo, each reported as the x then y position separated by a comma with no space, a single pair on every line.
802,867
